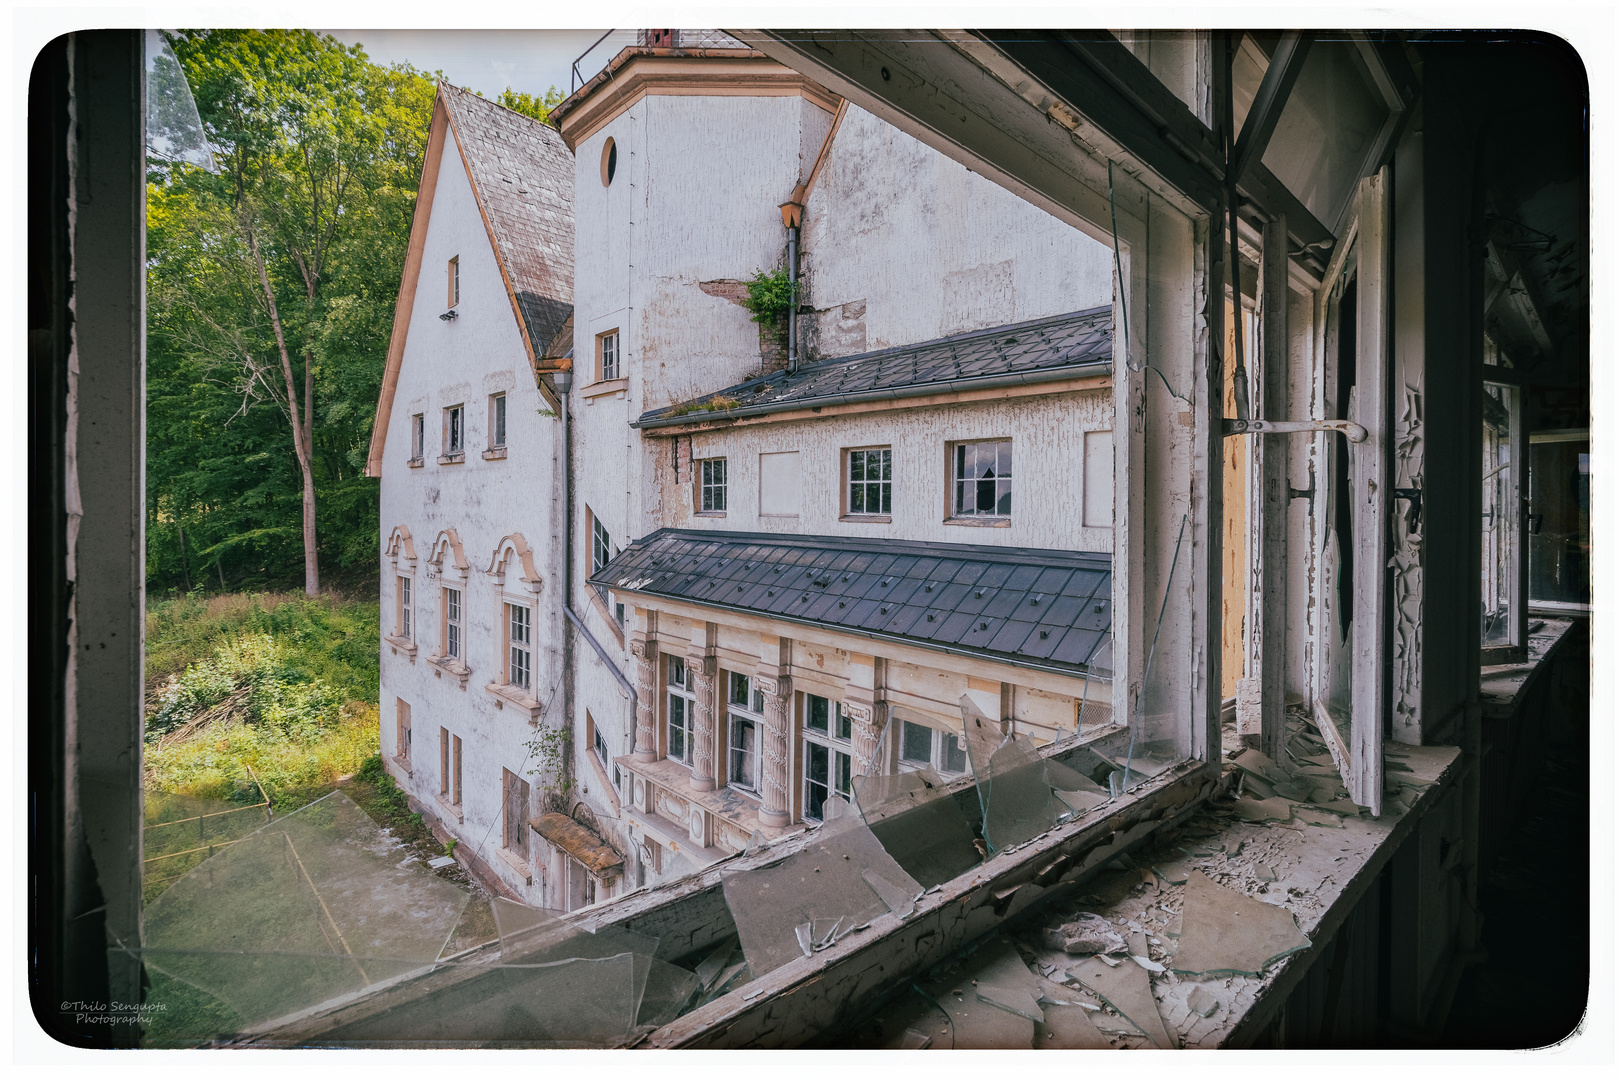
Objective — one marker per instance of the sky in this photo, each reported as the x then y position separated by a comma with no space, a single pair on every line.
530,61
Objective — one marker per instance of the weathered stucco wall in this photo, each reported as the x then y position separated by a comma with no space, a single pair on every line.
1049,472
463,362
929,248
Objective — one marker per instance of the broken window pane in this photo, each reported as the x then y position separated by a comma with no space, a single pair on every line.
808,900
1015,798
1560,526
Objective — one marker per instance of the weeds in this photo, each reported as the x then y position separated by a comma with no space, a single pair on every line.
718,403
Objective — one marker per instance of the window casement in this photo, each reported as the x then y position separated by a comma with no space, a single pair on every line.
828,754
868,484
599,746
680,712
449,767
519,646
1560,520
711,474
607,356
418,439
514,813
455,435
601,545
981,480
402,609
925,747
497,428
454,645
453,280
402,731
745,719
1504,615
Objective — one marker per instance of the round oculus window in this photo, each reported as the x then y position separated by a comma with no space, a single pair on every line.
610,161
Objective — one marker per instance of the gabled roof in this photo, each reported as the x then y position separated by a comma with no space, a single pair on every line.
1037,608
1039,350
522,178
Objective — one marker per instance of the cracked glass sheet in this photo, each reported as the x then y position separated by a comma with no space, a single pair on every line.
1014,792
174,130
1224,932
918,822
821,885
316,905
1003,1022
1128,990
537,936
1074,789
669,990
1159,735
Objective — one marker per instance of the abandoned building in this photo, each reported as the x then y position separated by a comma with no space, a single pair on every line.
1125,598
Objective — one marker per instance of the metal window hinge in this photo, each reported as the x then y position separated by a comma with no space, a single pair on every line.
1348,428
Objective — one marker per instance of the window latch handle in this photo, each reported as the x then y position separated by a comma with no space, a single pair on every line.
1348,428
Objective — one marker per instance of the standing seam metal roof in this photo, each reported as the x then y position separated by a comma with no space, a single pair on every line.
1054,346
1033,607
524,174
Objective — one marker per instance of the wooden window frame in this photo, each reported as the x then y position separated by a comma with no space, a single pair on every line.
404,623
514,805
688,696
418,440
703,486
498,413
952,514
836,744
453,280
454,435
744,714
604,373
510,610
846,485
453,616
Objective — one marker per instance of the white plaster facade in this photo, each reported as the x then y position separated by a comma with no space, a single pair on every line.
899,245
486,525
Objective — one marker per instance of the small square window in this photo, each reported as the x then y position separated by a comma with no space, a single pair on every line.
497,421
869,490
607,356
981,479
712,486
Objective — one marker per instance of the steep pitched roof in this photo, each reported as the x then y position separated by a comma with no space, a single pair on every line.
1033,351
522,177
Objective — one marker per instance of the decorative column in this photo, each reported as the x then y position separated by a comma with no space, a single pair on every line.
865,729
645,650
703,670
773,787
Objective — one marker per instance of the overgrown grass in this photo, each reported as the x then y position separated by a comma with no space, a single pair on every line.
248,692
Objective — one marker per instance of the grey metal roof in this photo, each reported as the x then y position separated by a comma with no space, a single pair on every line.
1058,347
1051,610
524,175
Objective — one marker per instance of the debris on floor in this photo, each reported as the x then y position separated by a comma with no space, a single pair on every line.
1224,931
1085,936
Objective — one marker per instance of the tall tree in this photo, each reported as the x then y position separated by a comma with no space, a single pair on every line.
271,285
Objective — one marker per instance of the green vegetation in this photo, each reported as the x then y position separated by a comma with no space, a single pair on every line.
770,296
717,403
254,699
538,108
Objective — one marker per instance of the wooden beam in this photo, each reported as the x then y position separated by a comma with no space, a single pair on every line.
1287,60
1268,496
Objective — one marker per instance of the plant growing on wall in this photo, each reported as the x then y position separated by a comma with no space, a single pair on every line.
549,750
770,296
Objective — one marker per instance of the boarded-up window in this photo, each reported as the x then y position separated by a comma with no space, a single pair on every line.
402,733
1099,493
779,484
514,816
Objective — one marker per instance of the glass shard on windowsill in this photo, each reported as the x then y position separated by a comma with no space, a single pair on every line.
1227,933
919,823
1263,809
1015,1000
1128,990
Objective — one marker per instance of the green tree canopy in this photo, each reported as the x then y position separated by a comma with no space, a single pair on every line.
271,288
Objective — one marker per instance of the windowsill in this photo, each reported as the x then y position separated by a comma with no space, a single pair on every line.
607,784
399,645
495,453
506,694
986,522
866,519
1493,655
780,517
518,862
446,665
453,809
605,387
737,807
452,459
709,513
405,764
414,463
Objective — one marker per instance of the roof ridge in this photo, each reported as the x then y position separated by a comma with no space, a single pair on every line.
871,543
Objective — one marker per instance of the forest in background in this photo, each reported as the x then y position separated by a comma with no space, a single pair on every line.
270,298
